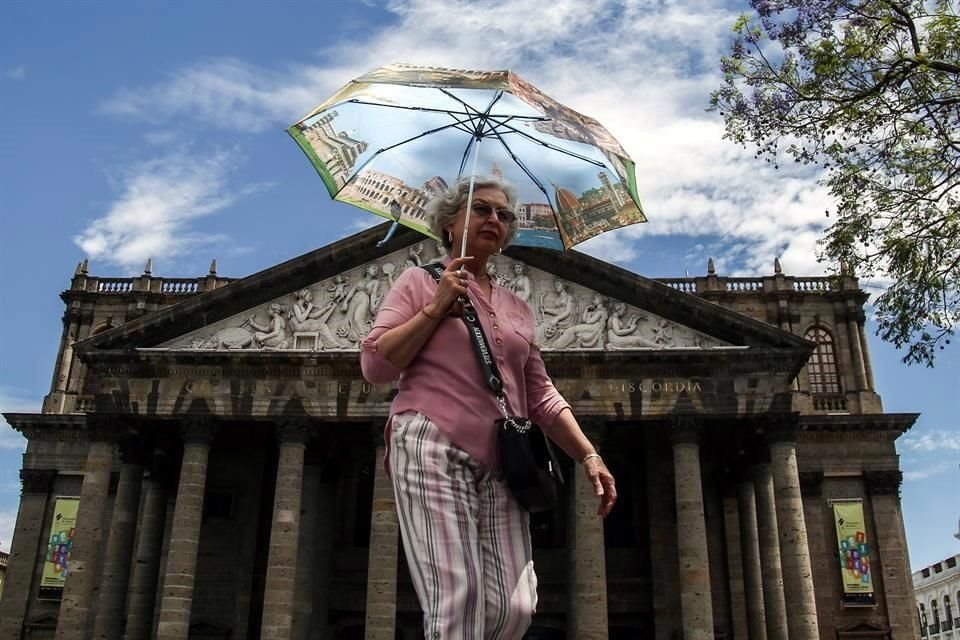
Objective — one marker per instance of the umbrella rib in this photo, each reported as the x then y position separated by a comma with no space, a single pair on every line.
393,146
530,175
552,146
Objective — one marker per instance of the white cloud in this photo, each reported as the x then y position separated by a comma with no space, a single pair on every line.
930,471
17,73
934,441
158,201
8,520
15,401
227,93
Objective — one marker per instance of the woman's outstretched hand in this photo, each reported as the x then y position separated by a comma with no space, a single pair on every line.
603,484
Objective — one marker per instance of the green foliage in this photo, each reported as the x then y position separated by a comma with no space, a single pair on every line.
869,92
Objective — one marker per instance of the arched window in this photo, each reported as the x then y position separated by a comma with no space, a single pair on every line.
947,614
822,366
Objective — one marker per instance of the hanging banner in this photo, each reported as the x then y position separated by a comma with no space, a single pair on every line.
856,570
56,563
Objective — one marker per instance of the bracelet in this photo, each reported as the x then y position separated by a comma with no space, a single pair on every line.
588,456
424,312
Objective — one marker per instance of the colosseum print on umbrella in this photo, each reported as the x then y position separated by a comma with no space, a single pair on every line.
389,140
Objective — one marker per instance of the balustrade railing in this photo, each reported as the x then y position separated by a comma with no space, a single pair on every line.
738,285
812,285
114,285
829,402
180,286
934,629
688,285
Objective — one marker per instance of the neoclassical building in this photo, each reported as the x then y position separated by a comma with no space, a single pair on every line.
207,463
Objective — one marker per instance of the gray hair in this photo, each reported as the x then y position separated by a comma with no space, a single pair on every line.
443,209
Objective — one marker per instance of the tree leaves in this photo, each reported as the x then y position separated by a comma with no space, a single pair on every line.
869,90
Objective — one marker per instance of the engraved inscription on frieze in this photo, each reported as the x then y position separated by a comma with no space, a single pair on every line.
337,313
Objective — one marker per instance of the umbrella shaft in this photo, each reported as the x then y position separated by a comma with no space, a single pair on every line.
473,177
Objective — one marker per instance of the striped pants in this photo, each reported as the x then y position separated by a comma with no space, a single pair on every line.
467,540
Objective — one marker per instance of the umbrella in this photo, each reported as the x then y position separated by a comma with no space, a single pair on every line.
388,141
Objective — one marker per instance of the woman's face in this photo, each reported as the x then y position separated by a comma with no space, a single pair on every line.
485,236
372,270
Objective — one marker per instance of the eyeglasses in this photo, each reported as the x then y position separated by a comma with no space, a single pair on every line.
485,211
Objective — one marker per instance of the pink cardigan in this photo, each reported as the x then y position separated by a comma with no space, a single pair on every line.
444,382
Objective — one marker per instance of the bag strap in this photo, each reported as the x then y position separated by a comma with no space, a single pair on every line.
481,347
488,365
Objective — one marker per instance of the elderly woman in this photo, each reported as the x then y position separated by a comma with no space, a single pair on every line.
467,539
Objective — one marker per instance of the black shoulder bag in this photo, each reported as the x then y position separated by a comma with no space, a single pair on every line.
527,459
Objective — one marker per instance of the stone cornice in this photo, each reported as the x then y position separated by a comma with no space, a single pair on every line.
37,480
871,426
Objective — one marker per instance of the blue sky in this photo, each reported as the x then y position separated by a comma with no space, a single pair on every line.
143,129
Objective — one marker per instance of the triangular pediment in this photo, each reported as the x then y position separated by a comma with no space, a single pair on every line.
326,300
336,313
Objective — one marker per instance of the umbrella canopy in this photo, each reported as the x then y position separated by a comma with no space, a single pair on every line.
389,140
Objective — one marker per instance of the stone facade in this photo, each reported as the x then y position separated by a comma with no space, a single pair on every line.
228,457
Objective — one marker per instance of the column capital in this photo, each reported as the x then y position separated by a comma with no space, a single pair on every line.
197,429
811,483
292,430
782,427
37,480
132,451
685,428
883,482
104,428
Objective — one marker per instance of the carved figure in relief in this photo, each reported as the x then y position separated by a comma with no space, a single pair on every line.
501,280
306,317
589,333
229,338
338,289
557,310
360,304
272,335
623,333
521,284
414,254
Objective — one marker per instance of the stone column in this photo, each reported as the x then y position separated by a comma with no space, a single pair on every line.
111,605
381,611
309,549
858,362
25,549
865,350
750,553
663,536
696,603
146,567
88,540
798,590
281,580
588,564
768,534
176,601
883,487
734,554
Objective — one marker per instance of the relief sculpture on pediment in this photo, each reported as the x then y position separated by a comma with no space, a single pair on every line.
337,313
